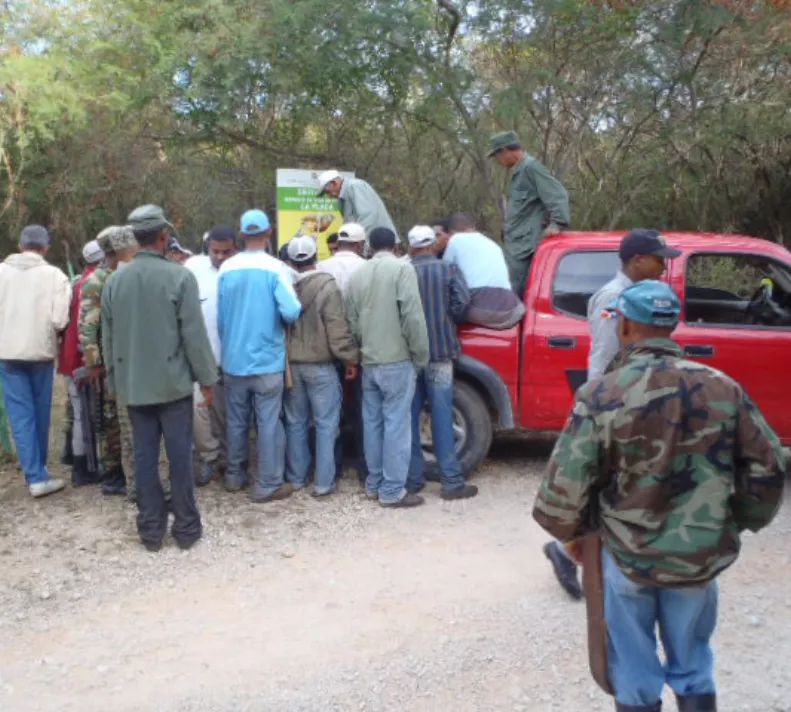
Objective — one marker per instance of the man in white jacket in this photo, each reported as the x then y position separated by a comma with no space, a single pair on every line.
34,309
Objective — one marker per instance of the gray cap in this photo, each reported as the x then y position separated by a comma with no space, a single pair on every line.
147,218
301,249
34,237
92,253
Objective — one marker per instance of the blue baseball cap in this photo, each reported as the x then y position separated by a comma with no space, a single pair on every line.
645,242
648,302
254,222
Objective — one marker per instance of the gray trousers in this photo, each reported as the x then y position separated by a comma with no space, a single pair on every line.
210,428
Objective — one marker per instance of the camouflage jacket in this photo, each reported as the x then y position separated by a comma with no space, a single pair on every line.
91,317
670,460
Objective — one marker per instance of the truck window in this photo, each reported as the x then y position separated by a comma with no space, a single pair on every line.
737,290
579,276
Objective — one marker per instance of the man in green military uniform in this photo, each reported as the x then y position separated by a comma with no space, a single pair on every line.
538,206
669,460
113,477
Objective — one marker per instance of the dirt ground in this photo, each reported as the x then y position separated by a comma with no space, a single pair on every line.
333,605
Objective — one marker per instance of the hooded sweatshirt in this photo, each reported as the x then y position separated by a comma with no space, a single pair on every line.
321,334
34,308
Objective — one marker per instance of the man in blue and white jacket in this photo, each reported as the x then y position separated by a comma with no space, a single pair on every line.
255,298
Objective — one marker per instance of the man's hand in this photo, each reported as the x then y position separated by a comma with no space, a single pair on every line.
551,230
574,550
351,372
208,396
95,375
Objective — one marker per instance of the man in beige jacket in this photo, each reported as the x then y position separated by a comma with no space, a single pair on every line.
34,310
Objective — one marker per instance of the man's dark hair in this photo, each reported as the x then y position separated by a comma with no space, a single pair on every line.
382,238
444,223
222,233
332,239
459,222
146,238
282,254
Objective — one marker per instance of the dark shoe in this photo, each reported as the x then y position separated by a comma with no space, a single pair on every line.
408,500
153,545
187,544
321,495
638,708
415,489
565,570
431,472
205,474
466,492
234,485
697,703
67,454
114,483
284,492
81,475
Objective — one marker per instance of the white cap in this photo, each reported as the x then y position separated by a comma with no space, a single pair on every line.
421,236
92,253
325,178
351,232
301,249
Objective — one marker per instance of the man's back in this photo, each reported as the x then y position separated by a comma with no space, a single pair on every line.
255,297
691,463
479,259
34,305
342,266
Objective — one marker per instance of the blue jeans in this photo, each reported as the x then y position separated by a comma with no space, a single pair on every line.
317,392
262,397
28,400
387,399
686,618
435,385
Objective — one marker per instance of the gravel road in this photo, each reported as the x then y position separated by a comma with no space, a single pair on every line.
333,605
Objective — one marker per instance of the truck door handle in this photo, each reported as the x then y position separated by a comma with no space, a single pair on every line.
562,342
698,350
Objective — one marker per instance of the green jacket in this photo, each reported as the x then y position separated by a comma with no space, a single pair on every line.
385,312
360,203
536,200
153,335
670,460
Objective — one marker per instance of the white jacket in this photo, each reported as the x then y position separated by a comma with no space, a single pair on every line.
34,308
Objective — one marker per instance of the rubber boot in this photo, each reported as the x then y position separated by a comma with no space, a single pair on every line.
67,454
114,483
697,703
81,475
638,708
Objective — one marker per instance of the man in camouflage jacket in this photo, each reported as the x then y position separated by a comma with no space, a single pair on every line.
669,461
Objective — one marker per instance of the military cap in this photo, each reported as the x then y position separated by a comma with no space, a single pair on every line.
504,139
116,237
648,302
147,218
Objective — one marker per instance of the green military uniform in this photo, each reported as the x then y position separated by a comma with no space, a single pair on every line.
536,200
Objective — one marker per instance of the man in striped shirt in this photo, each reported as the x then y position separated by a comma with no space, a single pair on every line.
445,298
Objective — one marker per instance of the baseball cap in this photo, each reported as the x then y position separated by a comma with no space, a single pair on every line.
254,222
175,246
645,242
147,218
35,237
351,232
421,236
325,178
92,253
648,302
301,249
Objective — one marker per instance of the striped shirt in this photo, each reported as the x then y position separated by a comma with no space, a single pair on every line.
445,298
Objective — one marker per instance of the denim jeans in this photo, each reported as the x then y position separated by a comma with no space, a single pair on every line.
316,392
149,424
686,618
435,385
387,399
262,397
28,401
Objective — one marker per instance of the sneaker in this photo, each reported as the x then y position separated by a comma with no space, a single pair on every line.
42,489
408,500
465,492
321,495
565,569
205,474
285,491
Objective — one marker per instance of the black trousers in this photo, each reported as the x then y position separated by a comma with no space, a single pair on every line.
149,424
352,412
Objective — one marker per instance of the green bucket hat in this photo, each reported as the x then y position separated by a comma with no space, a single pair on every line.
147,218
502,140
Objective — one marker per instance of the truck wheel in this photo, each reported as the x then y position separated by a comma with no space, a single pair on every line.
472,427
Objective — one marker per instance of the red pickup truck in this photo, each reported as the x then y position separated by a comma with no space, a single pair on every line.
736,295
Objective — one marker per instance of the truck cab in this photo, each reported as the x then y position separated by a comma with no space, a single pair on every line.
736,298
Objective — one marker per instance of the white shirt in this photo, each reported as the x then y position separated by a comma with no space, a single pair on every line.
604,329
208,278
342,267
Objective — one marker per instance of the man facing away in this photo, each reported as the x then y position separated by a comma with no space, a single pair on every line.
34,309
316,341
255,297
155,345
493,303
538,206
210,423
643,255
386,318
670,461
70,360
445,299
